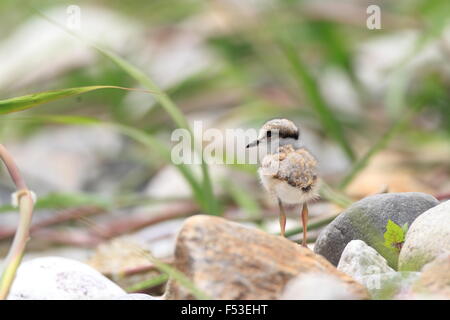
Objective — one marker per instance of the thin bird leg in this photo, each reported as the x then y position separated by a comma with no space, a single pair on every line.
305,223
282,218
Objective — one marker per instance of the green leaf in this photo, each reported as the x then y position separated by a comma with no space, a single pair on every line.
32,100
394,235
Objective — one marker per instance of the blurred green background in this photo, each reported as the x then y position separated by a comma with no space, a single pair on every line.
372,105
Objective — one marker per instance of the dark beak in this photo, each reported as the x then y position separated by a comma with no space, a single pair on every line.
252,144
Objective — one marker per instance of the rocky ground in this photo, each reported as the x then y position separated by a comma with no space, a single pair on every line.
227,260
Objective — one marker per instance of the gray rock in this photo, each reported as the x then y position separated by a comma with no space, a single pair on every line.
366,220
427,238
54,278
390,285
359,260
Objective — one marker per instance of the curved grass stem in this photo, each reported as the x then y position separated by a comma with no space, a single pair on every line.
26,204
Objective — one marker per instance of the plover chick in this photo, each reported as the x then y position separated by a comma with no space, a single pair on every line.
288,171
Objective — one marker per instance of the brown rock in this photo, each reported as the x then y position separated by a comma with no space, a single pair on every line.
229,261
435,278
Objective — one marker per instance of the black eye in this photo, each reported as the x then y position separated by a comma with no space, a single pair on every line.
269,134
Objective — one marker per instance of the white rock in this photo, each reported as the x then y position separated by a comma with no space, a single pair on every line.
359,260
55,278
428,237
317,286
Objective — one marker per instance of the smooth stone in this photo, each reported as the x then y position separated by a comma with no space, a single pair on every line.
359,260
428,237
226,260
390,285
435,279
318,286
366,220
55,278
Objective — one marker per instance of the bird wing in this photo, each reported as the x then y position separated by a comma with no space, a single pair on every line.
297,167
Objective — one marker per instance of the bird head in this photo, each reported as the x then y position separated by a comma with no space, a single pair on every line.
277,132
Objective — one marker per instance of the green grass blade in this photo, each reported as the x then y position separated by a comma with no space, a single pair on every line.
32,100
174,112
243,199
149,283
64,201
327,193
165,101
163,150
139,136
331,125
176,275
311,226
377,147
